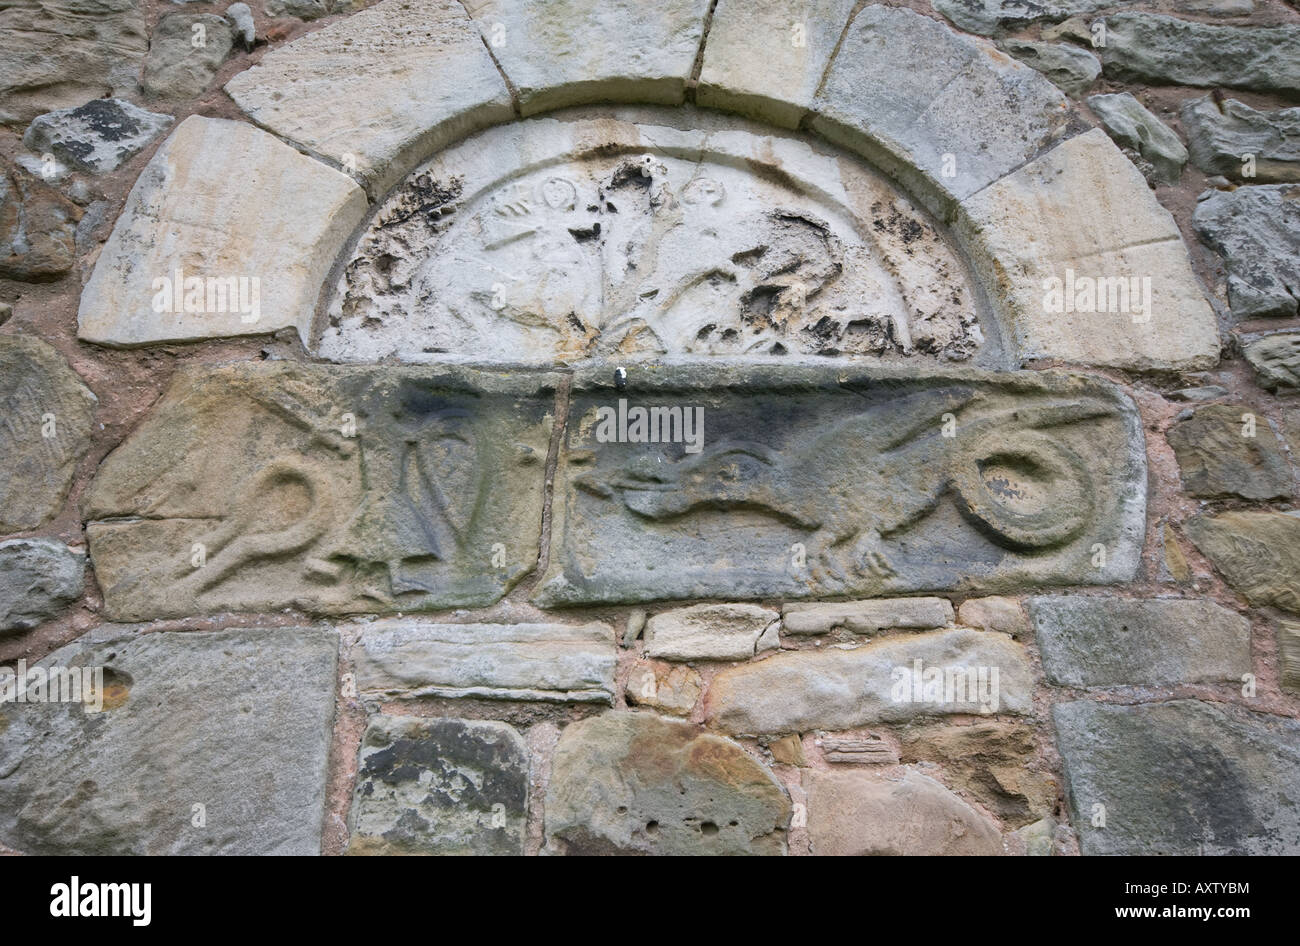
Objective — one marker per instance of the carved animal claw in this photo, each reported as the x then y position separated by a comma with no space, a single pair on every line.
868,557
826,571
823,567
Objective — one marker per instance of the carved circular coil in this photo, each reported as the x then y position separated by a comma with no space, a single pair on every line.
1027,492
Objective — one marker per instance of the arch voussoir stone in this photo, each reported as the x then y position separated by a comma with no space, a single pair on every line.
766,58
380,90
946,114
253,221
576,52
1082,212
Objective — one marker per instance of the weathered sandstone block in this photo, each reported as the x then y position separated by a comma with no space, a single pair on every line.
810,481
406,659
1166,50
60,53
1133,126
668,688
894,679
945,113
991,17
1258,552
439,786
1071,69
1288,649
1257,232
636,783
227,231
1276,360
571,52
866,617
1088,642
1181,778
1221,135
38,577
708,632
858,813
207,742
1228,450
380,90
1086,265
997,761
994,613
177,68
766,58
99,136
48,415
310,9
848,750
260,486
38,227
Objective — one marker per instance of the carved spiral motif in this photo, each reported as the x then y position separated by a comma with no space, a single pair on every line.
1027,492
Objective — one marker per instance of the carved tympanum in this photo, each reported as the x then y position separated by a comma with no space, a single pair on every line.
568,239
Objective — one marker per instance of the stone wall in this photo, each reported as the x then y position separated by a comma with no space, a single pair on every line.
592,426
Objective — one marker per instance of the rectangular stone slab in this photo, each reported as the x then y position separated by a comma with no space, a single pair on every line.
893,679
399,658
816,481
1088,641
866,617
1181,778
237,721
257,487
439,786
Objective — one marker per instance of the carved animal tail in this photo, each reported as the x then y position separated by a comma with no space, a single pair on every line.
1059,414
911,417
234,542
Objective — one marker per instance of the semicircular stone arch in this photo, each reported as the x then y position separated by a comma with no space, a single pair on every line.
816,261
1027,192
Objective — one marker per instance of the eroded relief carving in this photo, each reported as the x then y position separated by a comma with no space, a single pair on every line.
332,490
833,483
618,238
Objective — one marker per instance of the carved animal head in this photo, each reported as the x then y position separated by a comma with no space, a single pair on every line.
729,474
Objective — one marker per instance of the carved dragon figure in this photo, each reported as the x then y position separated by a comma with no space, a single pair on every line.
876,473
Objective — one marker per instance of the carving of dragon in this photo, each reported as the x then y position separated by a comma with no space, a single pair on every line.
876,473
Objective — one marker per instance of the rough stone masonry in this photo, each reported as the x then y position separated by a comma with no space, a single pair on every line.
952,503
